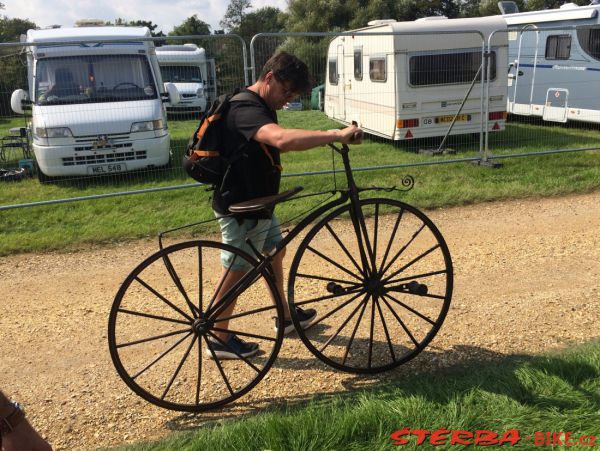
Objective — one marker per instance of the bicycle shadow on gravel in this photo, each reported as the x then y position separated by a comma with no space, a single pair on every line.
438,377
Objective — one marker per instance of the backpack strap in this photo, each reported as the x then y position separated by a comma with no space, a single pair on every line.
244,96
265,149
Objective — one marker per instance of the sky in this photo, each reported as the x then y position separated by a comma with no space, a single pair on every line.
167,14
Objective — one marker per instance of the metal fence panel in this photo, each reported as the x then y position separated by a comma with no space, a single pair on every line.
421,91
553,91
406,87
99,116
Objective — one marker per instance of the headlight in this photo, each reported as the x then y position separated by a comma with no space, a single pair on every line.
59,132
200,92
147,126
142,127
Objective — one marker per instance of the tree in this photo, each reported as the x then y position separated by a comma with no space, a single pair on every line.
469,8
236,10
13,73
489,8
373,10
191,26
149,24
138,23
263,20
318,15
12,29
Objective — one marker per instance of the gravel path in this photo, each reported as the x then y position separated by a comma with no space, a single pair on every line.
527,279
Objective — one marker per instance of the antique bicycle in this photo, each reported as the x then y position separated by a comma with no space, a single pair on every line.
377,270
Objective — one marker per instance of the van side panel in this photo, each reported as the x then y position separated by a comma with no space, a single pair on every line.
548,68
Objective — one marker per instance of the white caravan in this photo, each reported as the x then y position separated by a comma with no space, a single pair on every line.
554,63
412,85
97,101
187,67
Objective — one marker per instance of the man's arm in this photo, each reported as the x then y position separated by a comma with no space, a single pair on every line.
286,139
6,407
23,436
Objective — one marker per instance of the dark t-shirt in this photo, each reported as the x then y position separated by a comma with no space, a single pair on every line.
255,171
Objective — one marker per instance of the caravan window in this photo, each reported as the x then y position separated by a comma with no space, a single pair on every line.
333,73
377,69
589,40
558,47
358,71
448,68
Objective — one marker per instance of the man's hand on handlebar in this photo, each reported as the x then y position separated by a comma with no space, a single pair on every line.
350,135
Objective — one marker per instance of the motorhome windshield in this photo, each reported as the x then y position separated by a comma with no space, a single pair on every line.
181,74
93,79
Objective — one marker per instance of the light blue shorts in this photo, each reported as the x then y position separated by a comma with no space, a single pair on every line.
264,234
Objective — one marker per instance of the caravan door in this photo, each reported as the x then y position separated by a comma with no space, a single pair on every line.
342,81
334,85
522,72
555,108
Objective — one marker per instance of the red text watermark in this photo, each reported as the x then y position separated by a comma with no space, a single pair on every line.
442,436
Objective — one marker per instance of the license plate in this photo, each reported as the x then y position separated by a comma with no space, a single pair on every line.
445,119
106,168
448,119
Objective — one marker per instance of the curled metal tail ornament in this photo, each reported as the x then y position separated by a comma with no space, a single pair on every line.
408,182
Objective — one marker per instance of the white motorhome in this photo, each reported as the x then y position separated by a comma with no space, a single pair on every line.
554,63
187,67
97,101
412,85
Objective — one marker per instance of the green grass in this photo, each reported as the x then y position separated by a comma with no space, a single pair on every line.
549,393
73,225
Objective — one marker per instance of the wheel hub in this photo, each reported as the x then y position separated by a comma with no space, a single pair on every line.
374,286
201,326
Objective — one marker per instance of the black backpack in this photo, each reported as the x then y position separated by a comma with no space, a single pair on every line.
204,160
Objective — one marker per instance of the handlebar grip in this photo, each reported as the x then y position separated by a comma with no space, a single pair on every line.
358,136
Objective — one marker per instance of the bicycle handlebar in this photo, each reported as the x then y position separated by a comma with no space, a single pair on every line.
345,149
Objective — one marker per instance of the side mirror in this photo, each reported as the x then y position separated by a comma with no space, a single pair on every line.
17,99
173,93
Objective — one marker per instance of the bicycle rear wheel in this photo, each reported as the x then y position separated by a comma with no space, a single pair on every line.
381,294
163,321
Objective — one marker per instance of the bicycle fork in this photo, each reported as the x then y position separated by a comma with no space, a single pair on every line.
367,254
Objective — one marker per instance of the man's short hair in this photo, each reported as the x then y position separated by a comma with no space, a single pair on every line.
287,68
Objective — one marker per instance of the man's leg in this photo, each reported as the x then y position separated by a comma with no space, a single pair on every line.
234,233
227,281
306,317
277,267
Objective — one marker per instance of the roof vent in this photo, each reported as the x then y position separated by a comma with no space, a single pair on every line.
568,6
372,23
431,18
508,7
89,23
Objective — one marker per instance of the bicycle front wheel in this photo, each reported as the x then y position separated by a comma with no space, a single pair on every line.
165,321
381,292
